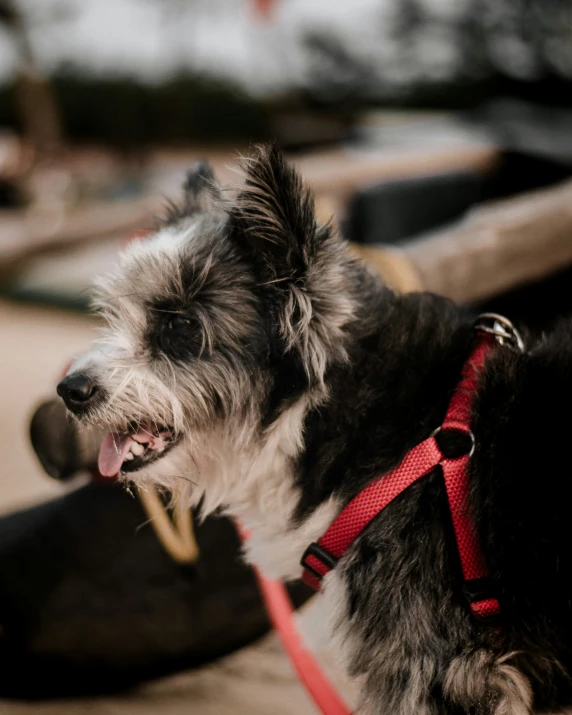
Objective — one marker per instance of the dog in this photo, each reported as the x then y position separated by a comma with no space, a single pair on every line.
250,364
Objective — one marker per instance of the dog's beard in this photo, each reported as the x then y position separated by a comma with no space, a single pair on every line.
202,468
171,473
140,418
198,461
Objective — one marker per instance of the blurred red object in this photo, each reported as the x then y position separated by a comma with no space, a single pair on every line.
264,8
281,613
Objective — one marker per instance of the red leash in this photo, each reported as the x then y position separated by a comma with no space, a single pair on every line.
280,611
312,677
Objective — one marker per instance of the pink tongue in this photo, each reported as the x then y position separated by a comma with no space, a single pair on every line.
112,454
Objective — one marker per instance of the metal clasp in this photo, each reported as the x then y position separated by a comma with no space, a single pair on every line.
503,330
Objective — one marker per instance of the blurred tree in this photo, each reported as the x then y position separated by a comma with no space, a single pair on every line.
444,52
35,100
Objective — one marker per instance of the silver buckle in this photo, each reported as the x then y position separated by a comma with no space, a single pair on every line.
503,330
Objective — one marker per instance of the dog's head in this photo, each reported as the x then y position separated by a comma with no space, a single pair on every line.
217,324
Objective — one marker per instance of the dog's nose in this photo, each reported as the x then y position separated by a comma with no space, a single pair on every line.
78,391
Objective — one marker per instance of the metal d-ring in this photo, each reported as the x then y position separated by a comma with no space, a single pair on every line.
503,330
470,433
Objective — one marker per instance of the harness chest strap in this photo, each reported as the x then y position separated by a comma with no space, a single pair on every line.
321,557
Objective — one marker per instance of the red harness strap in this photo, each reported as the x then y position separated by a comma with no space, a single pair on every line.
321,557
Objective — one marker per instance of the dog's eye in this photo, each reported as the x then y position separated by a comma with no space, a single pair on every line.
178,322
175,333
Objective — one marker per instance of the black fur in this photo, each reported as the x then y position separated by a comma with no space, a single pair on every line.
393,392
522,491
403,574
274,218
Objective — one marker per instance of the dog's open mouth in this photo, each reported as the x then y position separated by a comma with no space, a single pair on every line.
131,451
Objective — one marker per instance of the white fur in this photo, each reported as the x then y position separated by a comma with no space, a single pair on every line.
252,481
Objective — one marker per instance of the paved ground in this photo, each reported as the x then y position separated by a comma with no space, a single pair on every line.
35,345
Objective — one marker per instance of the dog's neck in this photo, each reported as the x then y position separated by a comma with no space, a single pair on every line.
287,487
287,483
253,480
267,507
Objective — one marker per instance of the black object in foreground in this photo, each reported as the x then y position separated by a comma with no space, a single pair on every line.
90,602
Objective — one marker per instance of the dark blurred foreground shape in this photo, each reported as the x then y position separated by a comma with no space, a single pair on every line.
91,603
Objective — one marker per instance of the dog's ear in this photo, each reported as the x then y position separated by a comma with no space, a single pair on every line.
200,188
300,264
274,217
200,193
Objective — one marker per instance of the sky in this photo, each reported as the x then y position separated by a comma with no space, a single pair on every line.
154,39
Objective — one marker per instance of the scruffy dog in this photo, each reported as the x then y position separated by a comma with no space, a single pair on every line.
250,363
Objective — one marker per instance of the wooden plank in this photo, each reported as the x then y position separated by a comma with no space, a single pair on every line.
23,234
340,172
498,246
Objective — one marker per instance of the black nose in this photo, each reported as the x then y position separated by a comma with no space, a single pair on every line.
78,391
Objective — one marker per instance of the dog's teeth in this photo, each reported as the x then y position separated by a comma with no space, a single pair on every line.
137,448
129,456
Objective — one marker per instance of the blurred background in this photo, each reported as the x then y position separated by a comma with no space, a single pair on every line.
436,133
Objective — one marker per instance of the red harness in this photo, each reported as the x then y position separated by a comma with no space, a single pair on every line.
321,557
